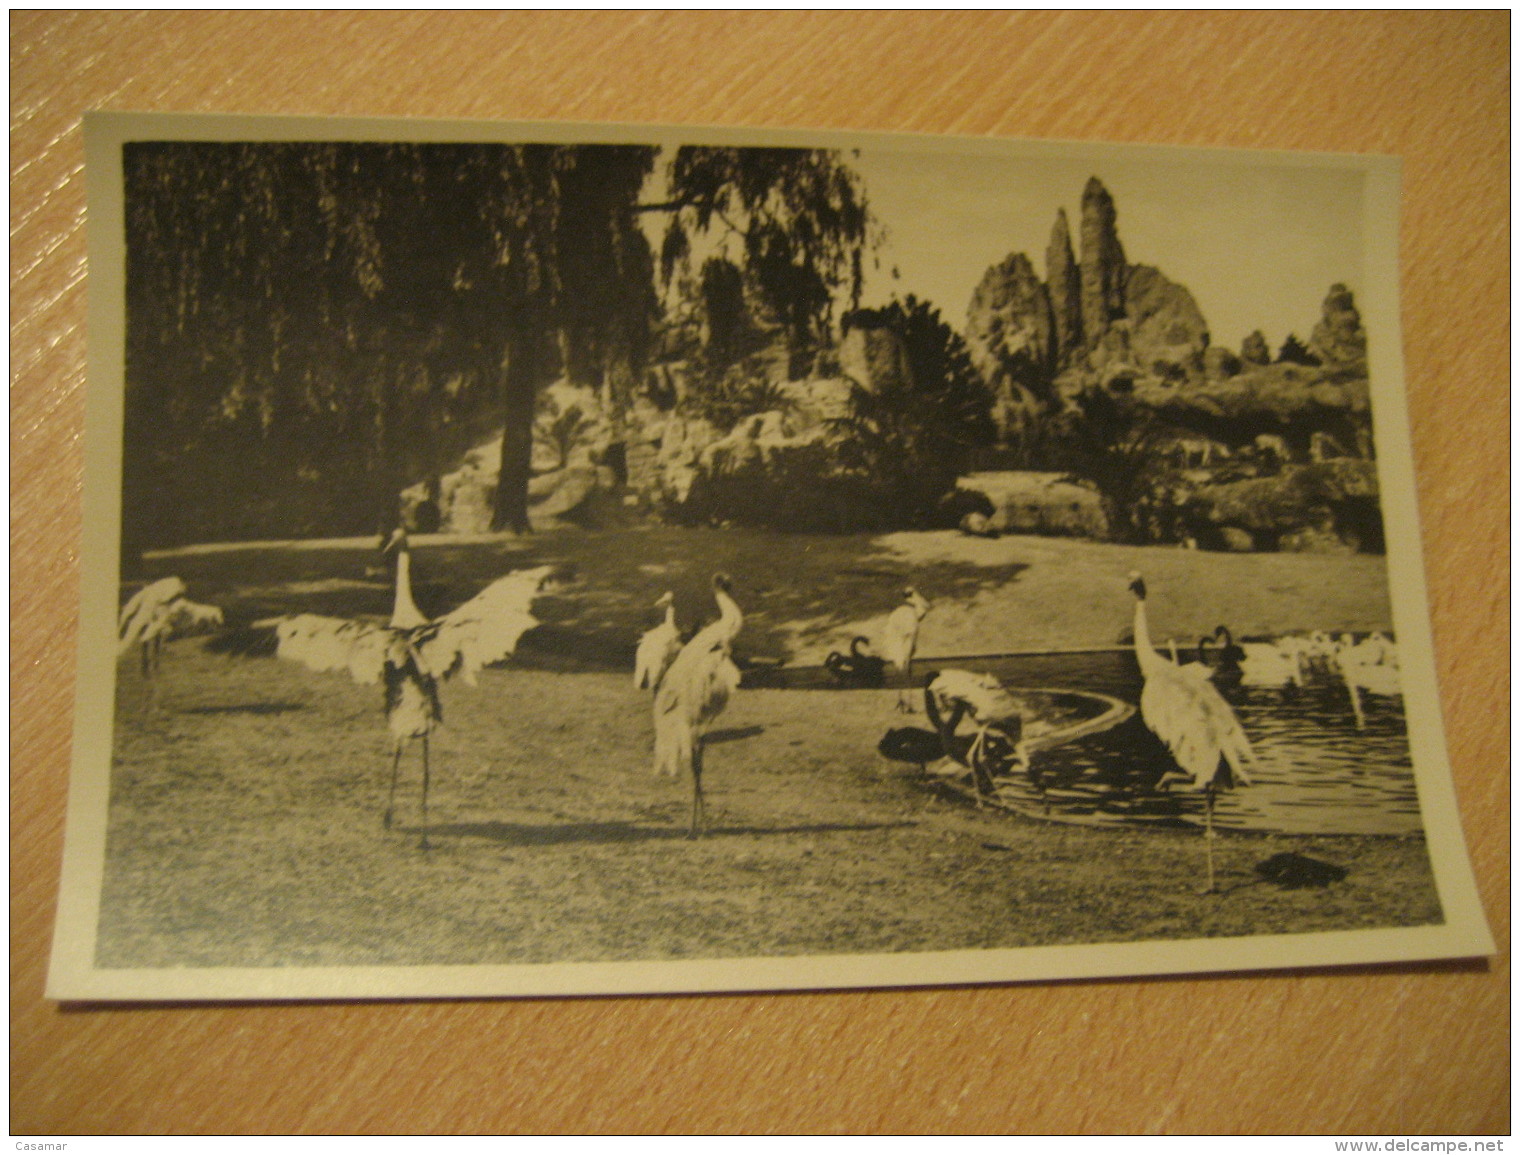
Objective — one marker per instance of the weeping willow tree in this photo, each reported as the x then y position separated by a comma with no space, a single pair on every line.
796,222
312,326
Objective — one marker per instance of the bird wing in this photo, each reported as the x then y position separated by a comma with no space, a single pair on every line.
1196,725
899,636
144,608
657,650
720,682
485,629
332,644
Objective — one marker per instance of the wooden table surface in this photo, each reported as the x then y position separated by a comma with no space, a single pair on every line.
1386,1051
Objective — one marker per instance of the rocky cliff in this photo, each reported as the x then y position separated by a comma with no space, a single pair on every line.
1012,337
1103,267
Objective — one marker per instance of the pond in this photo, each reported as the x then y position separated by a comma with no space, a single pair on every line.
1316,771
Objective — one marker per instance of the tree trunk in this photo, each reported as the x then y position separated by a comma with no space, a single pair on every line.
519,397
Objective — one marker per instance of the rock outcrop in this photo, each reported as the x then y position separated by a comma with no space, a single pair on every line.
1103,267
1167,331
874,356
1338,339
1063,281
1030,502
1011,337
1328,507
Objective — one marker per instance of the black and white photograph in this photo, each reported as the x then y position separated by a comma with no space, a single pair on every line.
530,559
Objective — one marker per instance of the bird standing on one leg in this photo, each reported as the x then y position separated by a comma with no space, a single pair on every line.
695,690
411,654
1192,720
900,640
657,647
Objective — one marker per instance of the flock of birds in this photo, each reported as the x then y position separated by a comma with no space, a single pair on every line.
691,681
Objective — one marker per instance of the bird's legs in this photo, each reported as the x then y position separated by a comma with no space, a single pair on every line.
979,772
1208,832
698,803
424,792
149,663
904,696
390,802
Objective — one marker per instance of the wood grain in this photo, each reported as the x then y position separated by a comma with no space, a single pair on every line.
1385,1051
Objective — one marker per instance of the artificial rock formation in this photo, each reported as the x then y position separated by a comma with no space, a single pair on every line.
1011,337
1168,334
1103,267
1338,339
1063,281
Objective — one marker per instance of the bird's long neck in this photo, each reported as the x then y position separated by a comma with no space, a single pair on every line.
1145,653
670,615
405,615
729,615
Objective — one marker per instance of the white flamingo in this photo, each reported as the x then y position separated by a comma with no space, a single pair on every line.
1193,721
694,691
657,647
410,654
900,640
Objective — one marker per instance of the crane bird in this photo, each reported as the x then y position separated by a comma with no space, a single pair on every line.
1193,721
155,614
657,647
1371,665
900,640
998,742
694,691
410,654
857,668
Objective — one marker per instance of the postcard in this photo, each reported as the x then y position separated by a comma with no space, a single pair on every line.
557,559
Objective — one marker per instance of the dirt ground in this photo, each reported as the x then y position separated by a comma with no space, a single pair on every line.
245,821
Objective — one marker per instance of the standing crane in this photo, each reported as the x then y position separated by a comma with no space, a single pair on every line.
1193,721
657,647
991,709
155,614
694,691
410,654
900,640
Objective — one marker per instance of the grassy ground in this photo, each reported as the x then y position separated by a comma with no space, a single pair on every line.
245,822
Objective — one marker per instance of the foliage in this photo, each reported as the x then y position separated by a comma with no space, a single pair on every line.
314,325
1295,352
1109,443
311,325
798,217
914,434
561,429
742,390
798,489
